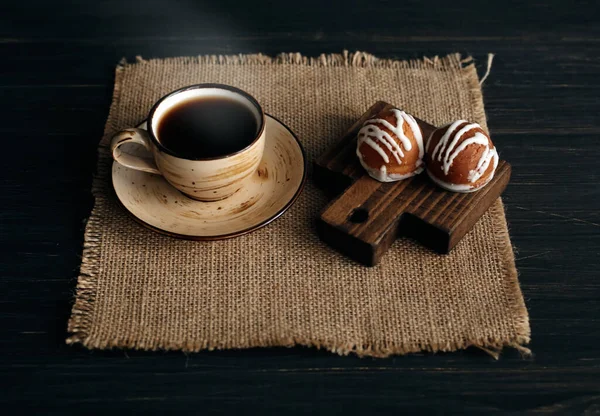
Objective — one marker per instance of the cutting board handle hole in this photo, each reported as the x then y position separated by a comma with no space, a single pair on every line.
359,215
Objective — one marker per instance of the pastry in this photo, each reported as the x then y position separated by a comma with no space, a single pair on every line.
460,157
390,146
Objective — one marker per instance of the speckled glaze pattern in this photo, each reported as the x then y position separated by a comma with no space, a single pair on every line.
210,180
202,179
267,192
205,180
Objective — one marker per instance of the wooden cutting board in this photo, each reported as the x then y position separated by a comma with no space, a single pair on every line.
367,216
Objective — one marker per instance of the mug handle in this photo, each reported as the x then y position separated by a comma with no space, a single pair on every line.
140,137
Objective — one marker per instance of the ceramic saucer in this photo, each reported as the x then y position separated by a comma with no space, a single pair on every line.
265,196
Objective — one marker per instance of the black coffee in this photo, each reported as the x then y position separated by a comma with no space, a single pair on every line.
206,127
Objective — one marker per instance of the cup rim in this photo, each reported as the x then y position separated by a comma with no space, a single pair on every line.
243,93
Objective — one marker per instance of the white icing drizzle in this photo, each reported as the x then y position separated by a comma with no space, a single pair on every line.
451,186
417,133
445,152
371,130
367,139
483,164
382,175
464,188
477,139
439,148
372,135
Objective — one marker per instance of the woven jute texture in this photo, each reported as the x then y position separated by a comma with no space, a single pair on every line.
280,286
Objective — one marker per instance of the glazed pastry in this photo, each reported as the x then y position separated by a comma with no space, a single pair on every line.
461,157
390,146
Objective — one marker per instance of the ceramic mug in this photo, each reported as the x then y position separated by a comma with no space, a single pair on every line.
209,179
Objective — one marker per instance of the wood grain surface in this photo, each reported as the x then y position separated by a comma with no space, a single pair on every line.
367,217
542,104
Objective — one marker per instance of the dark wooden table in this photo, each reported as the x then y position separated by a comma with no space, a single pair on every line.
543,105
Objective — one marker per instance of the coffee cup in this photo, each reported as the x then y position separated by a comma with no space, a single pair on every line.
204,139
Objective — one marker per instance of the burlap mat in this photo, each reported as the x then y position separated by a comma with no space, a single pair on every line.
280,285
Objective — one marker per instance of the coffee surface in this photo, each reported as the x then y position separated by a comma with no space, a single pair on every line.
207,127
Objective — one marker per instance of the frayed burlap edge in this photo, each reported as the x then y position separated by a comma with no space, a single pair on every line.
79,325
83,308
511,281
344,59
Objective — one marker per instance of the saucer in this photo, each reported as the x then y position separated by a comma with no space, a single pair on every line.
265,196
